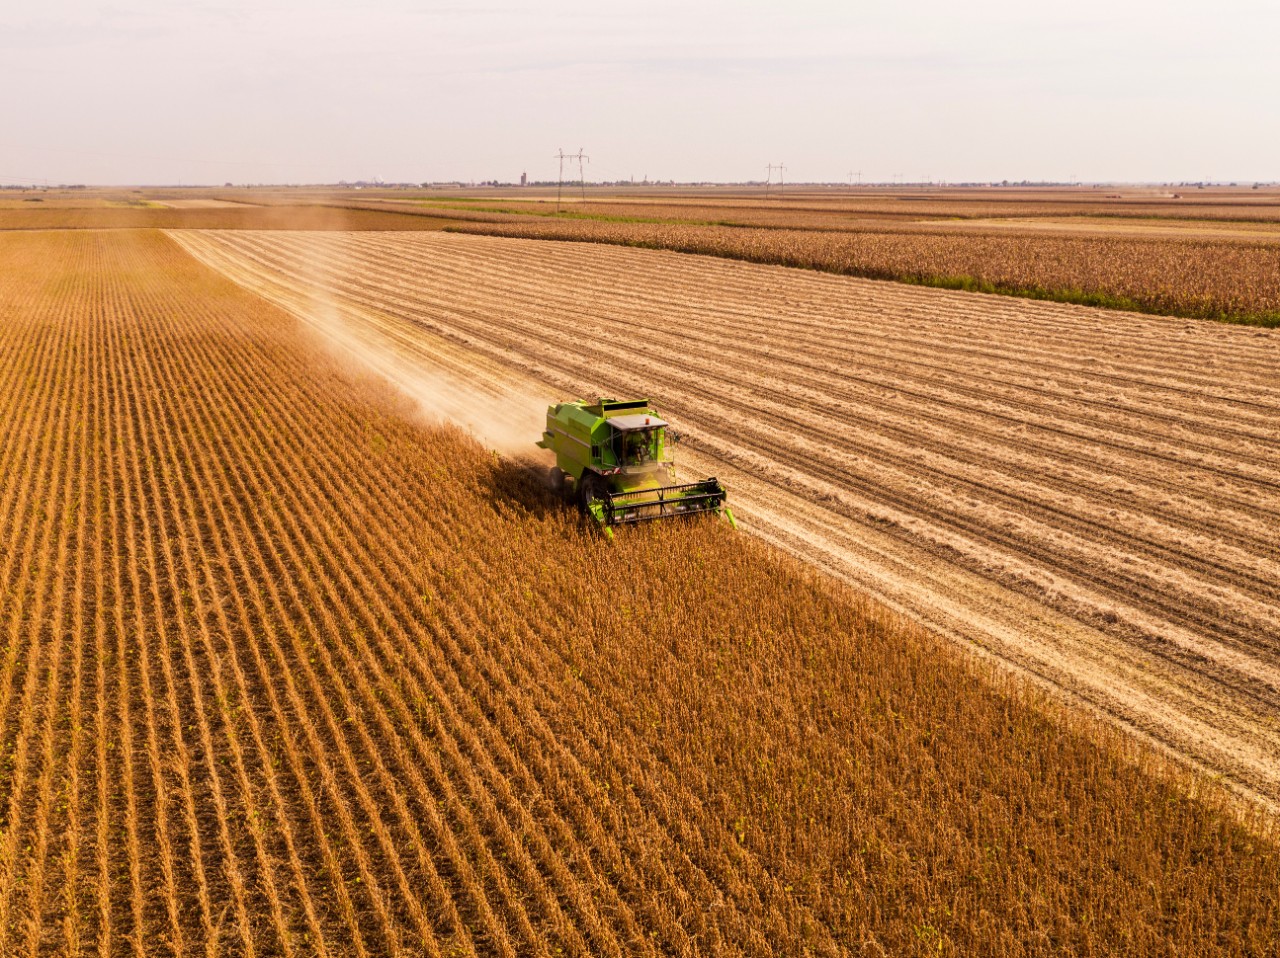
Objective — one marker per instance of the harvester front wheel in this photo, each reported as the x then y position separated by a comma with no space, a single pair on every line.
555,479
590,488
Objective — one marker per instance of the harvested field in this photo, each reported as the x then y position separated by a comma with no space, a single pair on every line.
1227,279
1211,254
25,200
811,207
285,672
832,217
99,217
1088,496
203,204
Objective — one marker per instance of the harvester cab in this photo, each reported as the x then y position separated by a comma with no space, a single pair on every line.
618,459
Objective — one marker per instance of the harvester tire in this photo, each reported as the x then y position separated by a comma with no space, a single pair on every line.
555,479
590,488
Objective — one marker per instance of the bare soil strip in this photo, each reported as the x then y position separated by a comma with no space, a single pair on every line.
1085,495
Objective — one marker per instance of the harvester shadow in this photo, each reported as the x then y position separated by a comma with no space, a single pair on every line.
523,484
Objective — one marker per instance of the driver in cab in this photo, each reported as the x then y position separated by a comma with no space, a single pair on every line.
637,448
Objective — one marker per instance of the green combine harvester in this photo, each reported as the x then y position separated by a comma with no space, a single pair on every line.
617,458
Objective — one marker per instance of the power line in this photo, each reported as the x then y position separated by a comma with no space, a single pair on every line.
781,185
582,182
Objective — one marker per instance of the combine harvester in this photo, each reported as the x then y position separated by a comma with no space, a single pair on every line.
617,457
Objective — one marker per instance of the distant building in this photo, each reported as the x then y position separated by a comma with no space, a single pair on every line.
524,179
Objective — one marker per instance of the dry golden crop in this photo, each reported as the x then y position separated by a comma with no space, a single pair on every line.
1227,280
1154,609
826,208
286,672
92,214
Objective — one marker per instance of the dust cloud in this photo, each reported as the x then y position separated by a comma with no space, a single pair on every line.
446,382
508,422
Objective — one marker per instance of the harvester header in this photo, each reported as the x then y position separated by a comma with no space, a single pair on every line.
618,459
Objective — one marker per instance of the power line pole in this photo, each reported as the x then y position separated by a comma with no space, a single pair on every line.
560,155
781,186
582,180
579,156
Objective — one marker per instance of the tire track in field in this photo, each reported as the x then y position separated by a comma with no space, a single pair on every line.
1072,569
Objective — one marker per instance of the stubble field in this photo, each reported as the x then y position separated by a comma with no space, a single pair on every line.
1199,275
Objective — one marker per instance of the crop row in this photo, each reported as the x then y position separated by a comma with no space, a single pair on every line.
287,672
809,213
1102,492
1235,281
96,216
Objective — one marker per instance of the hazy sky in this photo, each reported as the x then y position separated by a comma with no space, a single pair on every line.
144,91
